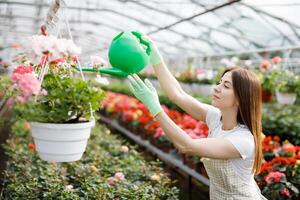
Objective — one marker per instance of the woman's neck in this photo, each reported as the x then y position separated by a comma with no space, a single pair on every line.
229,119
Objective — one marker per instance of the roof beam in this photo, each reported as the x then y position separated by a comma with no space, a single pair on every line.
290,24
194,16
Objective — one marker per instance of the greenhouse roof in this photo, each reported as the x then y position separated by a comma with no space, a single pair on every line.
179,27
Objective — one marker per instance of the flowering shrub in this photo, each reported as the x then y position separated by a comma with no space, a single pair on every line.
280,173
130,111
44,88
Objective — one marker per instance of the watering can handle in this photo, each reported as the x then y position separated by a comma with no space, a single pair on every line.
143,41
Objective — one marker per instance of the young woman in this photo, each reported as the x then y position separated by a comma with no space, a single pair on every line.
232,152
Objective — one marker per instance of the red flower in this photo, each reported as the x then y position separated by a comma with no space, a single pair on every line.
276,138
31,146
285,192
23,69
58,60
144,119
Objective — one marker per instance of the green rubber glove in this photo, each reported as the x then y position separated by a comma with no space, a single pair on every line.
146,93
155,57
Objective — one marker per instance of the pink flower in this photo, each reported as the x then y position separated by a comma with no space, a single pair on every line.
20,70
276,60
158,133
28,85
265,65
23,69
288,147
274,176
285,192
119,176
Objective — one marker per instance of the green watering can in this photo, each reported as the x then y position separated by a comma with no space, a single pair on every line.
128,53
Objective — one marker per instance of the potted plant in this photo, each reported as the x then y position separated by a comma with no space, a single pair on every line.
267,84
287,86
60,115
58,105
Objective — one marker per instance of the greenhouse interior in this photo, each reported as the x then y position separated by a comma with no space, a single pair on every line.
150,99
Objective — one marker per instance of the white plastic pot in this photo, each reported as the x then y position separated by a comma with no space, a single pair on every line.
286,98
61,142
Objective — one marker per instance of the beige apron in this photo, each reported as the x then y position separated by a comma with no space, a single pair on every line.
226,185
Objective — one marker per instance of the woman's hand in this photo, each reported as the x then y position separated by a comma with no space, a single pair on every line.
146,93
155,57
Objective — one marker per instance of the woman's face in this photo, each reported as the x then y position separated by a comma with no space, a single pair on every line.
223,94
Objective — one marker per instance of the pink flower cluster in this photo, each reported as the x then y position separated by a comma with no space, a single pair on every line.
266,65
25,80
118,177
274,176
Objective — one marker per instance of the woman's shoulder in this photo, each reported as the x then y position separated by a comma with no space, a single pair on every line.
241,133
243,140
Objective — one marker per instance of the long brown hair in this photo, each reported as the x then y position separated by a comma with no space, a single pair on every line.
247,89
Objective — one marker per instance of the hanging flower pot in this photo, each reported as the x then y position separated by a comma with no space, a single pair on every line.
61,142
287,87
286,98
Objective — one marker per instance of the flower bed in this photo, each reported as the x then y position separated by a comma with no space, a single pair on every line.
281,157
110,169
280,173
134,115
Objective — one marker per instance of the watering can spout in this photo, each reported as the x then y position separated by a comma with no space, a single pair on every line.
114,71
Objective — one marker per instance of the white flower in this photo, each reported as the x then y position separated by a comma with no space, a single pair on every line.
124,149
155,177
40,44
248,63
69,187
102,80
234,60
